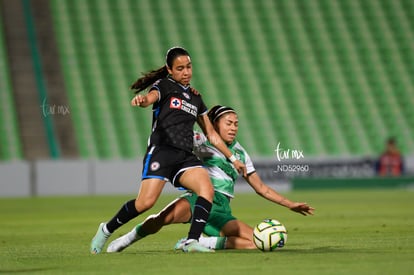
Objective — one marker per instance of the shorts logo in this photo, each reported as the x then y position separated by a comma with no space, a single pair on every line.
175,103
155,166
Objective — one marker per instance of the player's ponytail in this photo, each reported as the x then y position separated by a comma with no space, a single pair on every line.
150,77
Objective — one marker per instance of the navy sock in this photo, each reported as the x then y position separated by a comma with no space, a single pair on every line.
200,216
124,215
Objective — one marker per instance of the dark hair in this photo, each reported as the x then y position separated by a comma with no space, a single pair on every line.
150,77
217,111
391,140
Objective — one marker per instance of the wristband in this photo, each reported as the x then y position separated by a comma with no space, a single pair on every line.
232,158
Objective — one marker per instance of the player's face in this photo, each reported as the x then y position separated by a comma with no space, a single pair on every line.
182,70
227,127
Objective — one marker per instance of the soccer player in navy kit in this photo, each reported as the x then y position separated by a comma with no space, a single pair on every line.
169,157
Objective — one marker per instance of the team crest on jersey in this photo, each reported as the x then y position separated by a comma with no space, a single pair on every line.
155,166
187,96
175,103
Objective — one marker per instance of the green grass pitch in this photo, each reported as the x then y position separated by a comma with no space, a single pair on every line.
352,232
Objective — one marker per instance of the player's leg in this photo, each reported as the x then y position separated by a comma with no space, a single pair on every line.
239,235
149,192
178,211
234,235
222,223
197,180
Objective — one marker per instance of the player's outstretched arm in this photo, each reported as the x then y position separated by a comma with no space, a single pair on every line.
302,208
145,100
268,193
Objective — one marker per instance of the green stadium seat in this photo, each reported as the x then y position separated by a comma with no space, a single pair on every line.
10,143
282,64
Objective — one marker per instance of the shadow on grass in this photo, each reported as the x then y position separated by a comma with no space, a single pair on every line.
314,250
26,270
327,249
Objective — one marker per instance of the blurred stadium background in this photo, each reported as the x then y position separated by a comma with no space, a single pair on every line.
331,78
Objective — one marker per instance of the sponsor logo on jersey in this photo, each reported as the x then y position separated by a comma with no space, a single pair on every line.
177,103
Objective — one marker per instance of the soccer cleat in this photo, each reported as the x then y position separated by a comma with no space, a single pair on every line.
192,246
180,244
99,240
122,242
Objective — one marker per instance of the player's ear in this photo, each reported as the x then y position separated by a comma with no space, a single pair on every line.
168,70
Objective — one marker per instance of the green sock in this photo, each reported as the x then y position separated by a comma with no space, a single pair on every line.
221,243
140,233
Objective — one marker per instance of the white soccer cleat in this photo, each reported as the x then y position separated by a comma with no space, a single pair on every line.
192,246
180,244
122,242
99,240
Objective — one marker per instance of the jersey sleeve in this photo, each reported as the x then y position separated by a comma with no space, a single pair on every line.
247,161
249,165
202,110
156,86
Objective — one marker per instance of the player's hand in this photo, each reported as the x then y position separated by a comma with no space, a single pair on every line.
302,208
137,100
240,167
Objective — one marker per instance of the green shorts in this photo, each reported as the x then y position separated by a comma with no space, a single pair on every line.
220,213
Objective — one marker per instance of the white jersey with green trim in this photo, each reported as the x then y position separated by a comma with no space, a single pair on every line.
221,171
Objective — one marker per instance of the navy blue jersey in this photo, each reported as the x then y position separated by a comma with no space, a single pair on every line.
174,114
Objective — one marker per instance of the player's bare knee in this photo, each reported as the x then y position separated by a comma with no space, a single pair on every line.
207,193
144,205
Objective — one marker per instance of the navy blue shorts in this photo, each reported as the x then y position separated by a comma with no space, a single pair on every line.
168,163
